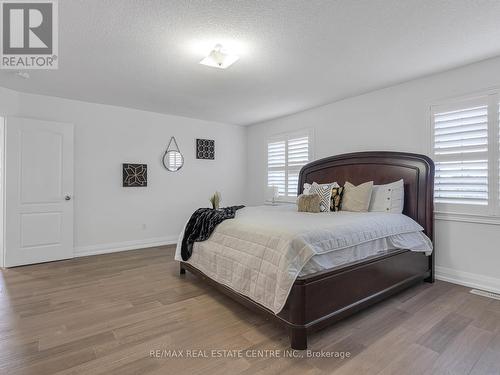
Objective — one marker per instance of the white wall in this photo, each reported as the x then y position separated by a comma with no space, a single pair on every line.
110,217
9,102
397,119
2,184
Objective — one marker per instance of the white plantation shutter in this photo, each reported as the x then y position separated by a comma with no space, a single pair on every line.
461,155
466,149
297,157
463,182
286,155
276,165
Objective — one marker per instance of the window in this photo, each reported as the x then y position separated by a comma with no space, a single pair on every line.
466,150
286,155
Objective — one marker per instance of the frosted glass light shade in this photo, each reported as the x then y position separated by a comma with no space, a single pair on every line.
219,58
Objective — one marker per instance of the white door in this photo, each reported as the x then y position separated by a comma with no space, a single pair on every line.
38,191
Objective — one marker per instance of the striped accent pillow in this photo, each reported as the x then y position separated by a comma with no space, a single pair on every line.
325,193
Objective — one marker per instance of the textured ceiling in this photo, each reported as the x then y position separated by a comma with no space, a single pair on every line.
294,54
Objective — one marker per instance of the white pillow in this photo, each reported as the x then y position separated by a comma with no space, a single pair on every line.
388,198
325,193
357,198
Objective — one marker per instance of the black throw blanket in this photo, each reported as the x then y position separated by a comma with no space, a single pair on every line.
201,225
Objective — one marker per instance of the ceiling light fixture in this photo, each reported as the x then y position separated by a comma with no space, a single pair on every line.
219,58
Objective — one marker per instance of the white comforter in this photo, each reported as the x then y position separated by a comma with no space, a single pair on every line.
262,250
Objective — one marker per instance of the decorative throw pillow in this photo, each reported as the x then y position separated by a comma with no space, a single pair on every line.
306,189
325,193
336,200
388,198
357,198
308,203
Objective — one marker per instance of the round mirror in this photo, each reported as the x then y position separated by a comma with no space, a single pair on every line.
173,160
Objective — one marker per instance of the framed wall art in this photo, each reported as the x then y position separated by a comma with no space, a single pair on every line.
205,149
135,175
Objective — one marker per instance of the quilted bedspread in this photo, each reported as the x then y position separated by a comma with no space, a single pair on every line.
262,250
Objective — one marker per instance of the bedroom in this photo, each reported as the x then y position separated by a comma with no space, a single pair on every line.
102,169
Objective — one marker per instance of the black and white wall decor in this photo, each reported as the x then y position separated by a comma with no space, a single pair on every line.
205,149
135,175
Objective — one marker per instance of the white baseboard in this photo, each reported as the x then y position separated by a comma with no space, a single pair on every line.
472,280
83,251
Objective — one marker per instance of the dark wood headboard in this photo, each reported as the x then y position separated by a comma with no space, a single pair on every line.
381,167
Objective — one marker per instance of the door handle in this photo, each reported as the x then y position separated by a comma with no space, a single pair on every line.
67,197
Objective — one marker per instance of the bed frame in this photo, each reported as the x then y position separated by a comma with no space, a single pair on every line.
322,298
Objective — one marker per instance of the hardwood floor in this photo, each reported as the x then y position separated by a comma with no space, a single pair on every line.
109,314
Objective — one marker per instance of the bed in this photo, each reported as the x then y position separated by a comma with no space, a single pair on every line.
306,271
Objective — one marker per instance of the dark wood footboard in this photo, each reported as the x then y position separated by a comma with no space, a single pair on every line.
324,298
